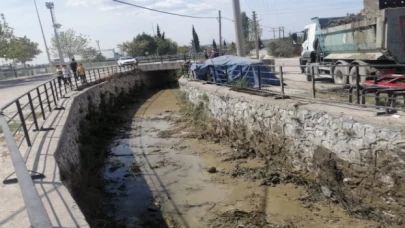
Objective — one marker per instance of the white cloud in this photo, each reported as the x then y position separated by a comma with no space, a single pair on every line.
168,4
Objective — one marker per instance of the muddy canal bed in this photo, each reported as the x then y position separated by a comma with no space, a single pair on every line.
160,175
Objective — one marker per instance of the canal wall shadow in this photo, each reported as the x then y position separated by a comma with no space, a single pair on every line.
90,127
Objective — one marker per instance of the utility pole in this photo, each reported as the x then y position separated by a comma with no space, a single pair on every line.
220,31
43,35
274,33
98,45
283,32
56,26
240,40
256,34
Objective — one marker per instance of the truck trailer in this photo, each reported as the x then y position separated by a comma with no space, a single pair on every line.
335,46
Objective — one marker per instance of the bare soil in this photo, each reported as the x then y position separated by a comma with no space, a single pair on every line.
172,173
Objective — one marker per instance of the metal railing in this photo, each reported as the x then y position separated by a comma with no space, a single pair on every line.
22,118
354,85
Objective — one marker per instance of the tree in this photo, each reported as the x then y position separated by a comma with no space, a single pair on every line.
23,50
71,43
224,43
158,34
245,25
233,47
252,35
166,47
140,44
183,49
196,41
281,48
89,53
214,44
6,33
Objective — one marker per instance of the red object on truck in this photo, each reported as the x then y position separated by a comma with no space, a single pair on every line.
396,81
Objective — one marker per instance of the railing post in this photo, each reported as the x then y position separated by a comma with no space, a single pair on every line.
103,73
53,92
99,76
56,90
24,126
357,85
34,116
47,98
282,80
40,103
313,82
260,77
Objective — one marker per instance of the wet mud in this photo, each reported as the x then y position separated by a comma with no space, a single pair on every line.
164,170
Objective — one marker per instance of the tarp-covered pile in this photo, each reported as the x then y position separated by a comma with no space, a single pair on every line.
230,69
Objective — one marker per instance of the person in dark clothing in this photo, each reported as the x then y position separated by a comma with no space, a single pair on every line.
73,67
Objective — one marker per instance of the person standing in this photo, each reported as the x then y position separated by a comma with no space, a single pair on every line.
82,73
66,75
59,74
73,67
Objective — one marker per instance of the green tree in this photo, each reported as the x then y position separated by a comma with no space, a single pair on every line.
71,43
23,50
233,47
281,48
89,53
158,33
183,49
196,41
245,26
140,44
6,33
214,44
166,47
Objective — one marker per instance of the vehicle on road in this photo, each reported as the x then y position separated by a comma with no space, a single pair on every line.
127,60
334,47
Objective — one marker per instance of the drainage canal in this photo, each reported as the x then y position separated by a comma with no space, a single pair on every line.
166,168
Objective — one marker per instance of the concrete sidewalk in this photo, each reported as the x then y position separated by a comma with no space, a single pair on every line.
60,205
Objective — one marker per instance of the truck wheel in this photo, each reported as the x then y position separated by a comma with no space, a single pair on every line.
308,72
340,74
302,65
352,77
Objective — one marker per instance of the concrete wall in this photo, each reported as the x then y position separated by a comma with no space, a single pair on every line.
358,138
68,155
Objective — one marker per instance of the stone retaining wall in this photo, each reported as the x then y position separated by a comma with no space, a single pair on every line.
306,127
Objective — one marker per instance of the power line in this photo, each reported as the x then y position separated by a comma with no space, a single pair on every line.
160,11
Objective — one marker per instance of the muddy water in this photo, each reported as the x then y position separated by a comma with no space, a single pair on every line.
162,181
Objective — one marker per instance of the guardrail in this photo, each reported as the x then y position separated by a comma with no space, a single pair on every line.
24,117
366,86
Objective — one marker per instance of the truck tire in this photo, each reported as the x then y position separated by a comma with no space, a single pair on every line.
341,73
302,65
352,75
308,72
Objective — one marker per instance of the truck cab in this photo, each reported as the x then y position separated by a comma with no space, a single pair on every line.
308,54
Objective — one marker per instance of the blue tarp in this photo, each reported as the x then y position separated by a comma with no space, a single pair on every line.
237,69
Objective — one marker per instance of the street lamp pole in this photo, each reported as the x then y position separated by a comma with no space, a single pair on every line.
43,34
56,26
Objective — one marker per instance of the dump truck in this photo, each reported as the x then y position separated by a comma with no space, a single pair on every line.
335,46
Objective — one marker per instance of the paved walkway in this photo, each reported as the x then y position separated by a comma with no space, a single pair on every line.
61,207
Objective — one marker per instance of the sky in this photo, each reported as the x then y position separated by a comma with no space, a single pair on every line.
113,23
